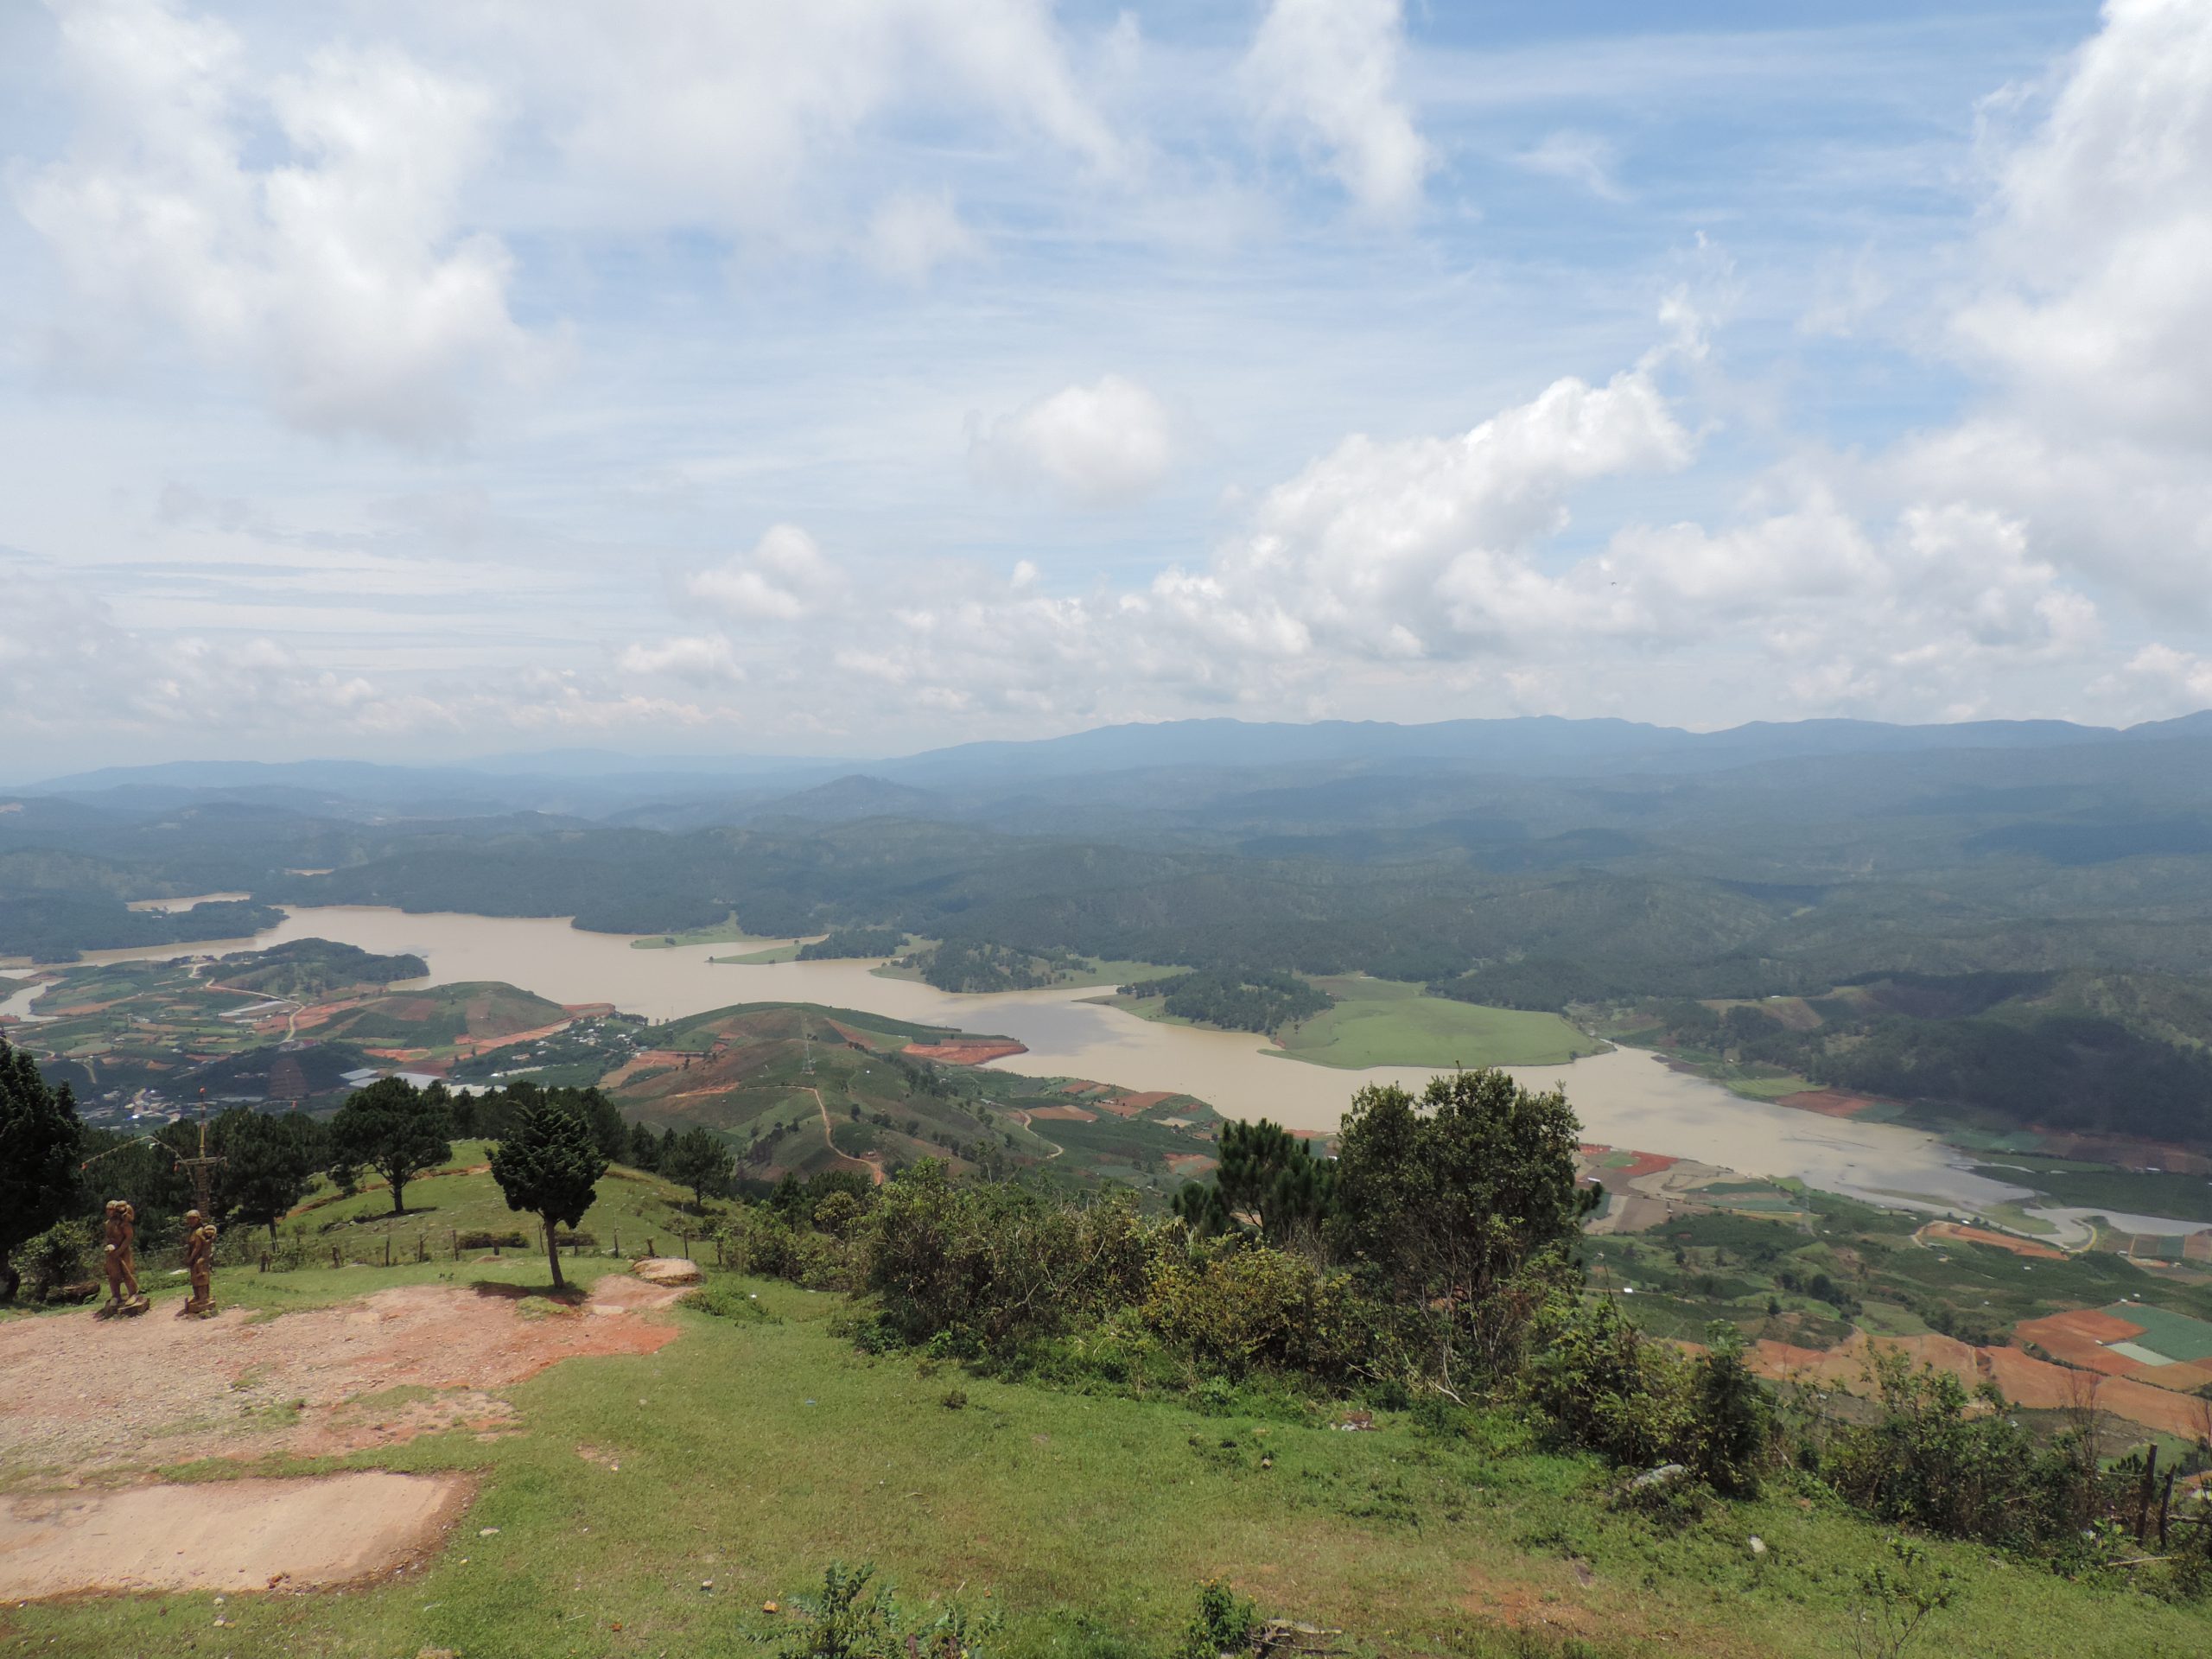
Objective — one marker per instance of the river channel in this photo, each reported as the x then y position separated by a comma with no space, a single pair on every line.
1626,1097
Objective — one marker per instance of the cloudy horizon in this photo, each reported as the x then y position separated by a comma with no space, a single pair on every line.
417,382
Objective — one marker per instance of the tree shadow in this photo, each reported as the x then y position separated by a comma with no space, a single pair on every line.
498,1290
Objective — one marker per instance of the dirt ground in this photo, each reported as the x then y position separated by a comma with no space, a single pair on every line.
1951,1229
80,1398
225,1536
977,1053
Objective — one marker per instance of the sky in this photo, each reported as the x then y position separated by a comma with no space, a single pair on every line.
425,379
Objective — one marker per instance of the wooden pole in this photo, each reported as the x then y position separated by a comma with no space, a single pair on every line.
2143,1491
387,1249
2165,1504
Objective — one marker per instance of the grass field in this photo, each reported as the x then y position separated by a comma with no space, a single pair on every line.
652,1505
1388,1022
1103,972
786,951
726,932
630,1202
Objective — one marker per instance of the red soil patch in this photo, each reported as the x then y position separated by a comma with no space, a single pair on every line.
970,1053
1189,1165
1646,1163
1829,1102
587,1010
85,1395
1132,1105
2025,1380
2027,1247
469,1046
1064,1113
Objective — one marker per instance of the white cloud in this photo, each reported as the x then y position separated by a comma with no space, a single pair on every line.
2088,315
335,271
2098,310
1581,158
910,235
1329,69
785,578
719,111
1104,444
704,659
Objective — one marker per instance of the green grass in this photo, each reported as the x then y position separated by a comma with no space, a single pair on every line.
753,1450
1103,972
630,1202
785,952
724,932
1390,1022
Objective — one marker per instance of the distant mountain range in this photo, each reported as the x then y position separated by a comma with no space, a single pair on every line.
600,784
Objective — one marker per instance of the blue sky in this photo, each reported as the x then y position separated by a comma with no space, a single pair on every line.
426,379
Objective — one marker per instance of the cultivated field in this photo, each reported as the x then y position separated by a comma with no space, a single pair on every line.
1387,1022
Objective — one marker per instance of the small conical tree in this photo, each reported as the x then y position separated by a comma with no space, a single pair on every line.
549,1166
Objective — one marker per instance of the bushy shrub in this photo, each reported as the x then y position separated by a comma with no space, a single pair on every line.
1224,1621
853,1617
1257,1308
725,1300
482,1239
1955,1463
990,1267
57,1256
1600,1384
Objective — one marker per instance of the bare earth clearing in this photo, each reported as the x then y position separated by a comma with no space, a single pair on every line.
237,1534
78,1395
84,1402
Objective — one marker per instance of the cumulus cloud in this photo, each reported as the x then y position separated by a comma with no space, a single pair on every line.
1104,444
1328,70
336,270
783,578
2089,318
2097,312
717,111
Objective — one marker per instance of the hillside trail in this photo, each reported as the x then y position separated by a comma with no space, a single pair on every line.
293,1007
1028,1123
872,1163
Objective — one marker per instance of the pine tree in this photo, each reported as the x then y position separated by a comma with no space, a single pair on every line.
549,1166
40,1138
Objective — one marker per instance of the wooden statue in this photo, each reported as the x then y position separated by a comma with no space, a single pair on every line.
120,1260
199,1262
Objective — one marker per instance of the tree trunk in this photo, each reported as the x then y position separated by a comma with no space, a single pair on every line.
399,1186
553,1255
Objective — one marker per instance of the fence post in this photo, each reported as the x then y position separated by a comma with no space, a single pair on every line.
2165,1502
2143,1491
687,1247
387,1249
265,1260
333,1256
618,1240
456,1243
649,1246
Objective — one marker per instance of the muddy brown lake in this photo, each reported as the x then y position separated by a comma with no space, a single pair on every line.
1626,1097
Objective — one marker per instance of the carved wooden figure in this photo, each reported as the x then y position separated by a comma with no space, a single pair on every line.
119,1260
